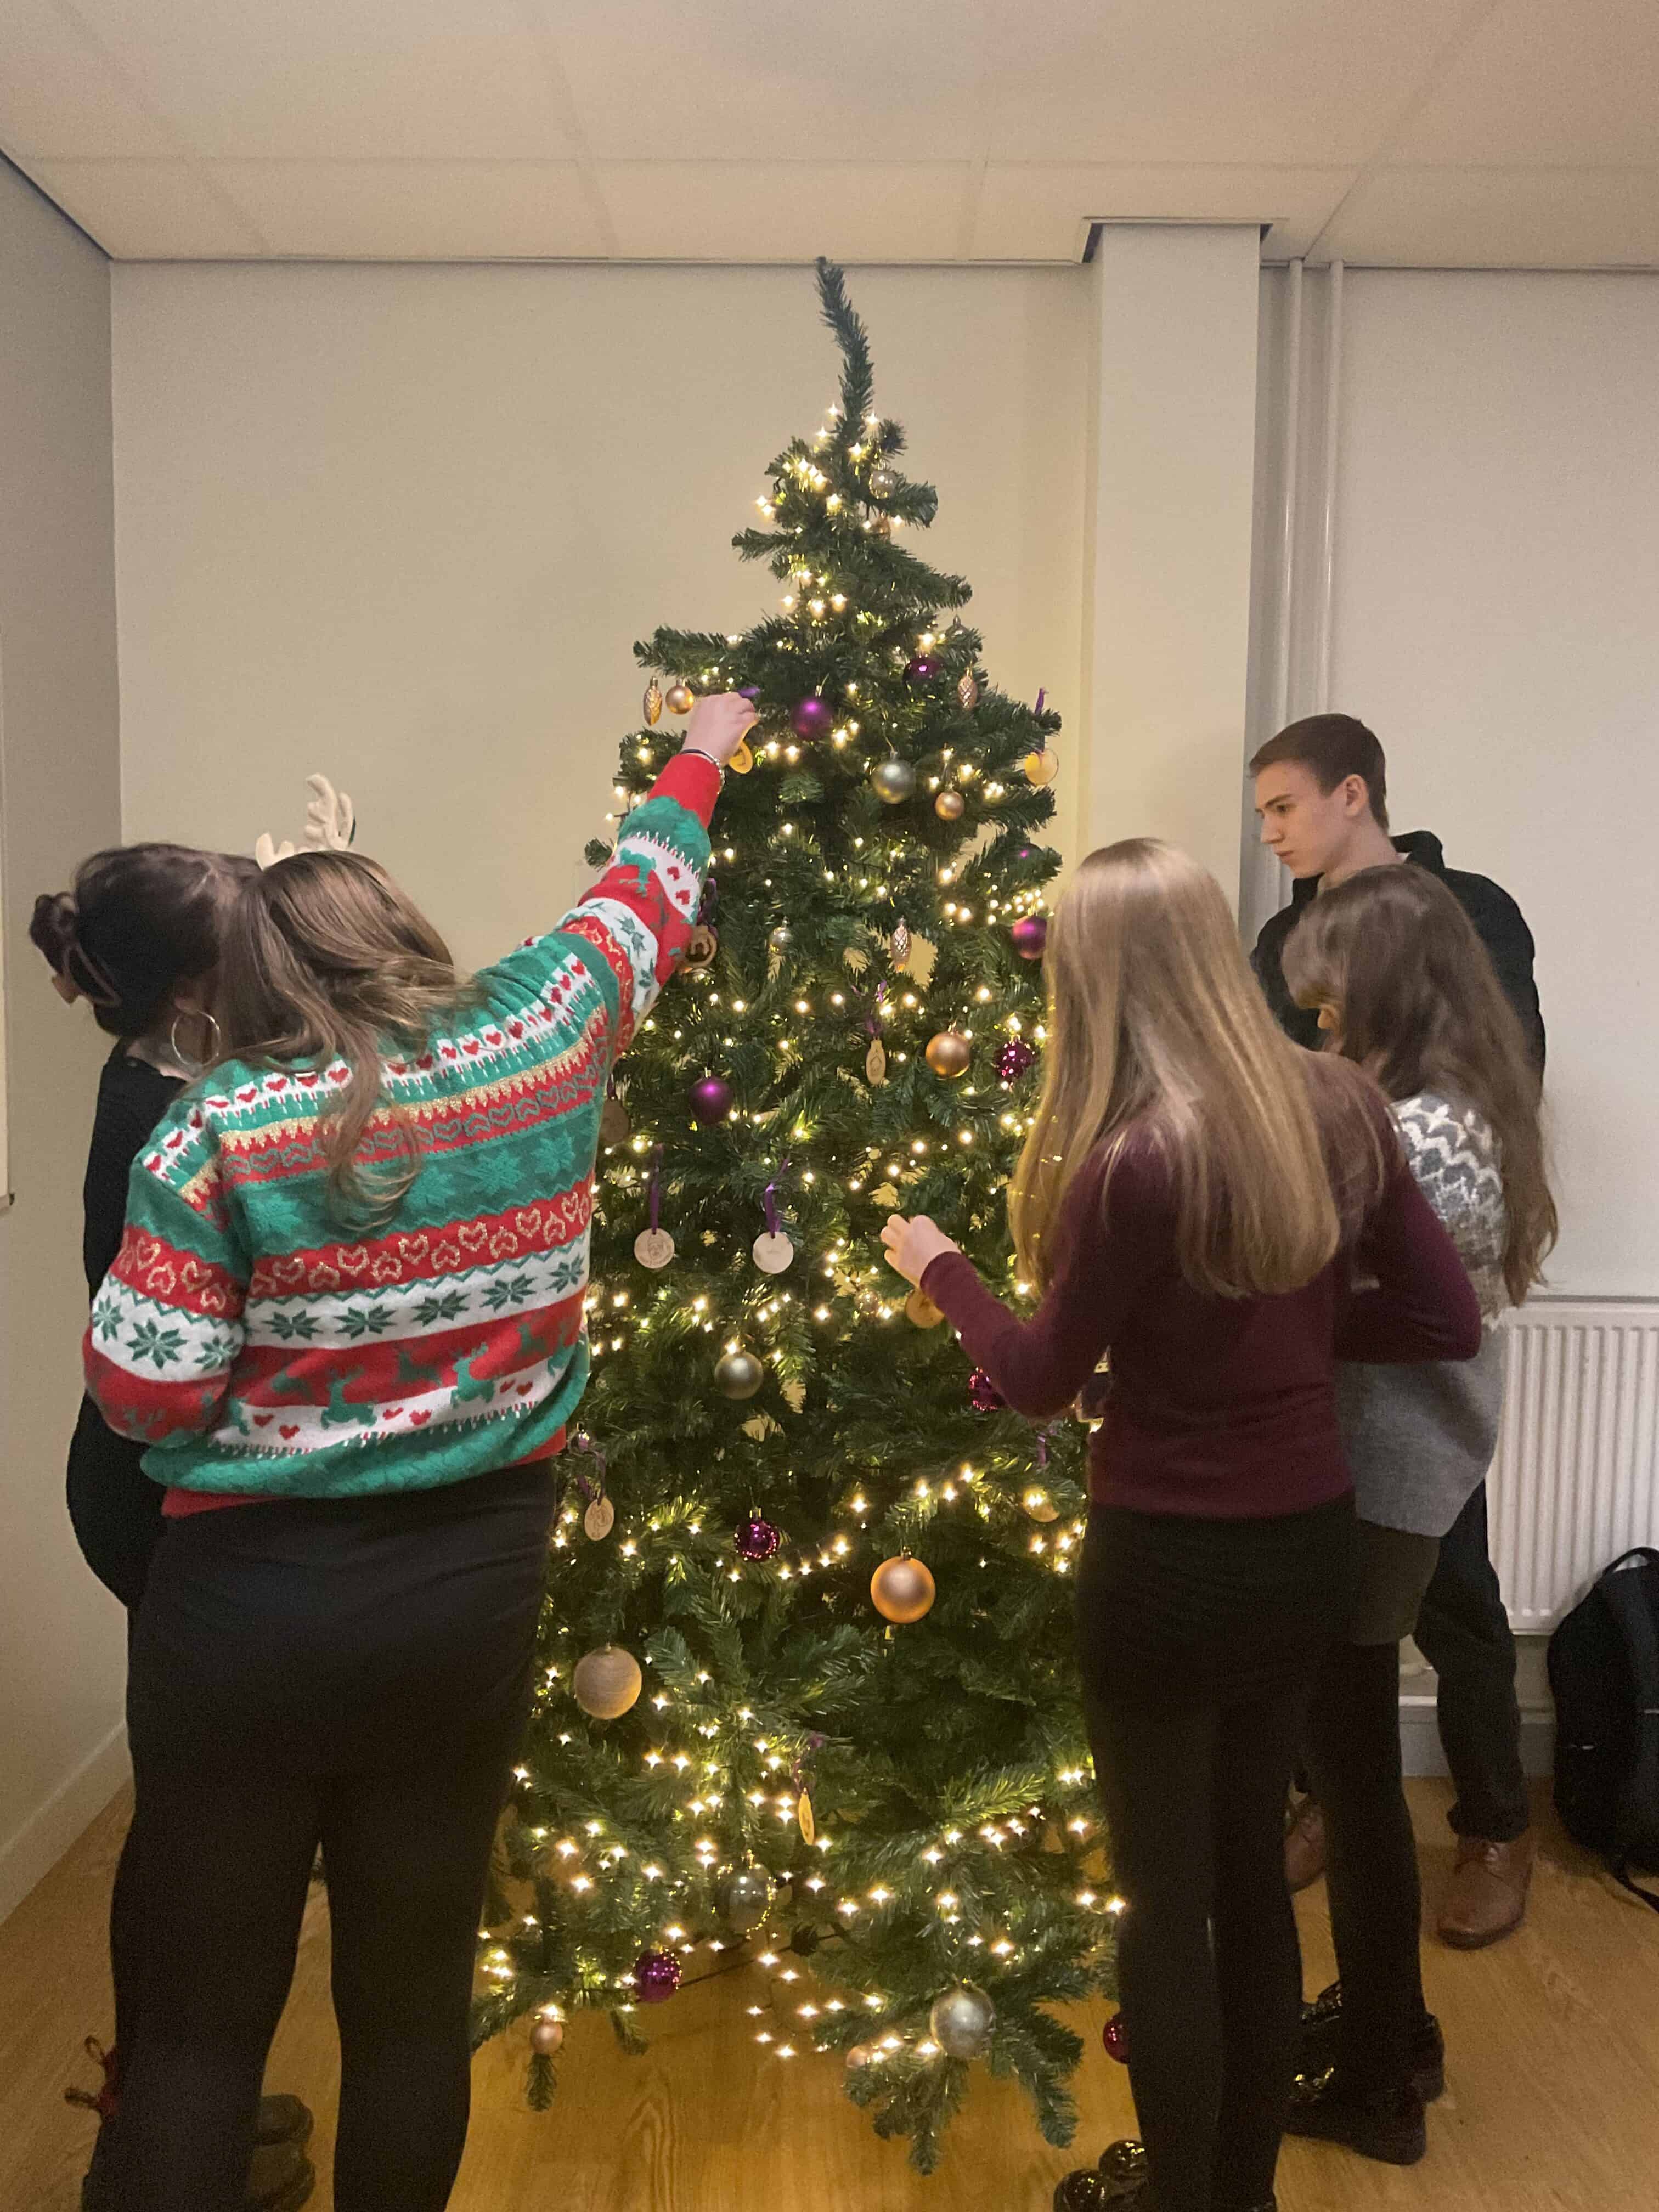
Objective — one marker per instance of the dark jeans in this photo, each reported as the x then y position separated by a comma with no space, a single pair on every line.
351,1673
1199,1642
1464,1633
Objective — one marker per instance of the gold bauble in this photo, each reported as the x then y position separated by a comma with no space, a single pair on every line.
1040,1506
950,806
680,699
606,1683
949,1054
652,703
902,1589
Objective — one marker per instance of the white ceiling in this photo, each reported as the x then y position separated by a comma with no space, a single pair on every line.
1440,132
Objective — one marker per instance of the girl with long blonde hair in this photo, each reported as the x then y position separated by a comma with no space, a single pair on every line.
1194,1196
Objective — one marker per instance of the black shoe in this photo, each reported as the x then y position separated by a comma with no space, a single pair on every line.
1321,2029
281,2179
1119,2183
1386,2124
284,2119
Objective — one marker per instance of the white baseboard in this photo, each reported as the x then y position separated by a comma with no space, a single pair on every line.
33,1850
1419,1737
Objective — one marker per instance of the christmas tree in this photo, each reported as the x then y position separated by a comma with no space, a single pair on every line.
806,1688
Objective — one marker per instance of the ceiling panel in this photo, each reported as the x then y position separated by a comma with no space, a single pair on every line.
758,80
1501,218
1040,210
58,96
348,78
1295,82
1569,80
150,210
785,211
417,210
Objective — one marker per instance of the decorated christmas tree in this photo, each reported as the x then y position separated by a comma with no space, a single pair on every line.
806,1691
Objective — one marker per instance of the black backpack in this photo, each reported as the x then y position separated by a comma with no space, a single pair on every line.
1604,1671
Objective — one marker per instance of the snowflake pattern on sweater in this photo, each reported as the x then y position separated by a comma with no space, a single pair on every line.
261,1353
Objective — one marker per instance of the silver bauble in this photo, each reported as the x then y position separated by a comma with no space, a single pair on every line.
744,1898
961,2021
894,778
883,482
781,937
739,1374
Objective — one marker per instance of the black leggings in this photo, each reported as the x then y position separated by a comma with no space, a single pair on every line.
1374,1894
353,1675
1200,1641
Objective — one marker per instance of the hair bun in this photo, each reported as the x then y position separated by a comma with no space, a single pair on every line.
53,927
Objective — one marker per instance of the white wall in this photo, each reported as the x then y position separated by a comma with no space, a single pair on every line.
1496,623
62,1640
403,525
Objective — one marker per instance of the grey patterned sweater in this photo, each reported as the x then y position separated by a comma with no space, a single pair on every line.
1419,1439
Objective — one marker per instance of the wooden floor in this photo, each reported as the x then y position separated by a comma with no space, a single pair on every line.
1553,2106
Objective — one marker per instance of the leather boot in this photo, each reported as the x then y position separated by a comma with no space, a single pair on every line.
1488,1899
1321,2045
280,2179
1304,1846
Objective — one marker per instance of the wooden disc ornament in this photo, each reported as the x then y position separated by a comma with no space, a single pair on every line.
742,760
614,1124
1041,767
1041,1507
949,1054
875,1064
950,806
805,1818
654,1248
650,705
599,1520
607,1682
772,1251
920,1311
680,699
902,1589
700,949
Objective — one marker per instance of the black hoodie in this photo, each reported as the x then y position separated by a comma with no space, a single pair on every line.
1498,924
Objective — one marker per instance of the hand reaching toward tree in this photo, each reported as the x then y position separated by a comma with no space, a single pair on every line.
719,723
912,1246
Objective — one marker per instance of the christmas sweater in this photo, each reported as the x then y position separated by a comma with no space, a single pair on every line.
261,1353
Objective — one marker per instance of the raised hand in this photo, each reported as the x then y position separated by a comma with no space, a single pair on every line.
719,723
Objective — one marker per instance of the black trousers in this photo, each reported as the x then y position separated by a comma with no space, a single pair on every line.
1199,1642
1464,1633
354,1675
114,1508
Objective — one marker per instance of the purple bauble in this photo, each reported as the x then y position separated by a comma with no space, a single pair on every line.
1116,2037
811,717
755,1538
711,1101
1013,1059
922,668
656,1976
983,1394
1031,936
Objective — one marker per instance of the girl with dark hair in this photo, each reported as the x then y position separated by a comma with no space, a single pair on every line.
347,1317
139,940
1193,1191
1404,987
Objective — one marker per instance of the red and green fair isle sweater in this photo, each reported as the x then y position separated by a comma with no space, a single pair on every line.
261,1354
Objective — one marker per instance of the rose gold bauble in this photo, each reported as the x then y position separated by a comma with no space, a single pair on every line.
546,2036
949,1054
902,1589
606,1683
950,806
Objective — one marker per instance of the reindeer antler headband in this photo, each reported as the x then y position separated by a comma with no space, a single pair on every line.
331,825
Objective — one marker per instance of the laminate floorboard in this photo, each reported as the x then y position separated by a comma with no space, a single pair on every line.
1552,2103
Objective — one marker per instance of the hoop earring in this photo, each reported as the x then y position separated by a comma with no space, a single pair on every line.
181,1058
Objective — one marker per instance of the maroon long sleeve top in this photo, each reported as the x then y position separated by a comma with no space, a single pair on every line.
1223,1408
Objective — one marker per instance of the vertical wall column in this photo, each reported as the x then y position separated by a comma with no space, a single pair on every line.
1168,578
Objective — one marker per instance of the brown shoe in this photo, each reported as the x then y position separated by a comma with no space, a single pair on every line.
1488,1899
1304,1846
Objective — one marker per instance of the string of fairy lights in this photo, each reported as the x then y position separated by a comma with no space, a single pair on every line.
726,1776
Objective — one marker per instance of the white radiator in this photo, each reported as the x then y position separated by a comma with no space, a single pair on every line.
1576,1481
